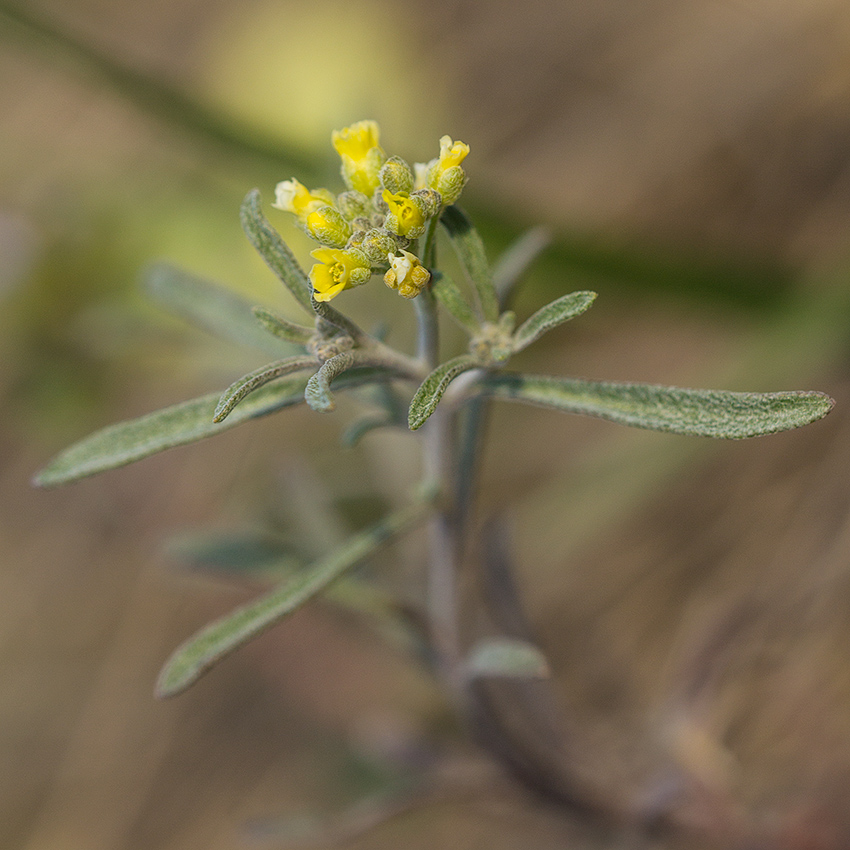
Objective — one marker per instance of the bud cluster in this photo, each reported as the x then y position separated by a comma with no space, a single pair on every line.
373,225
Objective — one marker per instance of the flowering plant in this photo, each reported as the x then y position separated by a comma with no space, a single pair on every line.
386,222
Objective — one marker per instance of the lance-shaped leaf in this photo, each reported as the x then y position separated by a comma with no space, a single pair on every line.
558,311
223,636
274,250
282,328
247,384
125,442
209,306
506,657
516,260
318,391
701,413
338,320
449,295
470,252
428,396
362,426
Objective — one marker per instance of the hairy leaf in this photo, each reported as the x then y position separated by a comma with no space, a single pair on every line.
505,656
318,389
470,252
702,413
553,314
281,328
209,306
274,250
223,636
247,384
449,295
428,395
338,320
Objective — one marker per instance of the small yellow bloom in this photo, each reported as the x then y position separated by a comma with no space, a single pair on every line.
337,270
406,274
452,153
406,216
361,154
328,225
446,174
293,196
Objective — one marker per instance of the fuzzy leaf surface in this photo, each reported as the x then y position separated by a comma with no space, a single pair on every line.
274,250
318,390
210,306
470,251
505,656
428,396
449,295
223,636
281,328
702,413
557,312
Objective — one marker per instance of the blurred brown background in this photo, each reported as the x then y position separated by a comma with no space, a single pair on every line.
691,159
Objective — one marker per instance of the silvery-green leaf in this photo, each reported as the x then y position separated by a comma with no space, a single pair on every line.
274,250
209,306
282,328
470,252
450,296
223,636
338,320
247,384
248,553
318,389
516,260
362,426
428,395
703,413
506,657
558,311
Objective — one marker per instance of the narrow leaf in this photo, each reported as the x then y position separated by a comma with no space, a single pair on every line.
703,413
274,250
318,389
234,553
506,656
209,306
470,252
557,312
238,390
281,328
449,295
428,395
516,260
362,426
338,320
223,636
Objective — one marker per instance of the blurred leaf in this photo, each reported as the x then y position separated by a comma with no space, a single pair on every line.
557,312
220,638
247,384
243,553
281,328
274,250
428,396
702,413
362,426
516,260
470,251
318,389
503,656
209,306
449,295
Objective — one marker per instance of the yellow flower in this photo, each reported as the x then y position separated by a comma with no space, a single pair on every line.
446,174
292,196
337,270
406,274
407,215
362,156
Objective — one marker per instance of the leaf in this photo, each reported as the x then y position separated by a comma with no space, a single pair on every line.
516,261
702,413
449,295
234,553
557,312
281,328
125,442
209,306
428,396
247,384
274,250
220,638
362,426
318,390
338,320
504,656
470,252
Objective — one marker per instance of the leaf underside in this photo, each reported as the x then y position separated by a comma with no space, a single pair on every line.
559,311
703,413
428,396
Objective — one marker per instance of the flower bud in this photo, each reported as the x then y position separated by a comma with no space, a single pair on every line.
376,244
431,201
406,274
361,155
353,205
396,175
328,226
446,175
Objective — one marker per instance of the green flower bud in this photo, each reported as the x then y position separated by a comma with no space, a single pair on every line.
328,226
431,201
396,175
376,244
354,205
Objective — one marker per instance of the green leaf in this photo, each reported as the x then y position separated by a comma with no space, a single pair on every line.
702,413
209,306
449,295
247,384
281,328
248,553
504,656
220,638
338,320
274,250
470,252
428,395
516,261
557,312
318,390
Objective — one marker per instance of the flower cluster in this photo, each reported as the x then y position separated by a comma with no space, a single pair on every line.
374,225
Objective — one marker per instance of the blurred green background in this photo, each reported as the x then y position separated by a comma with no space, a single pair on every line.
692,160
